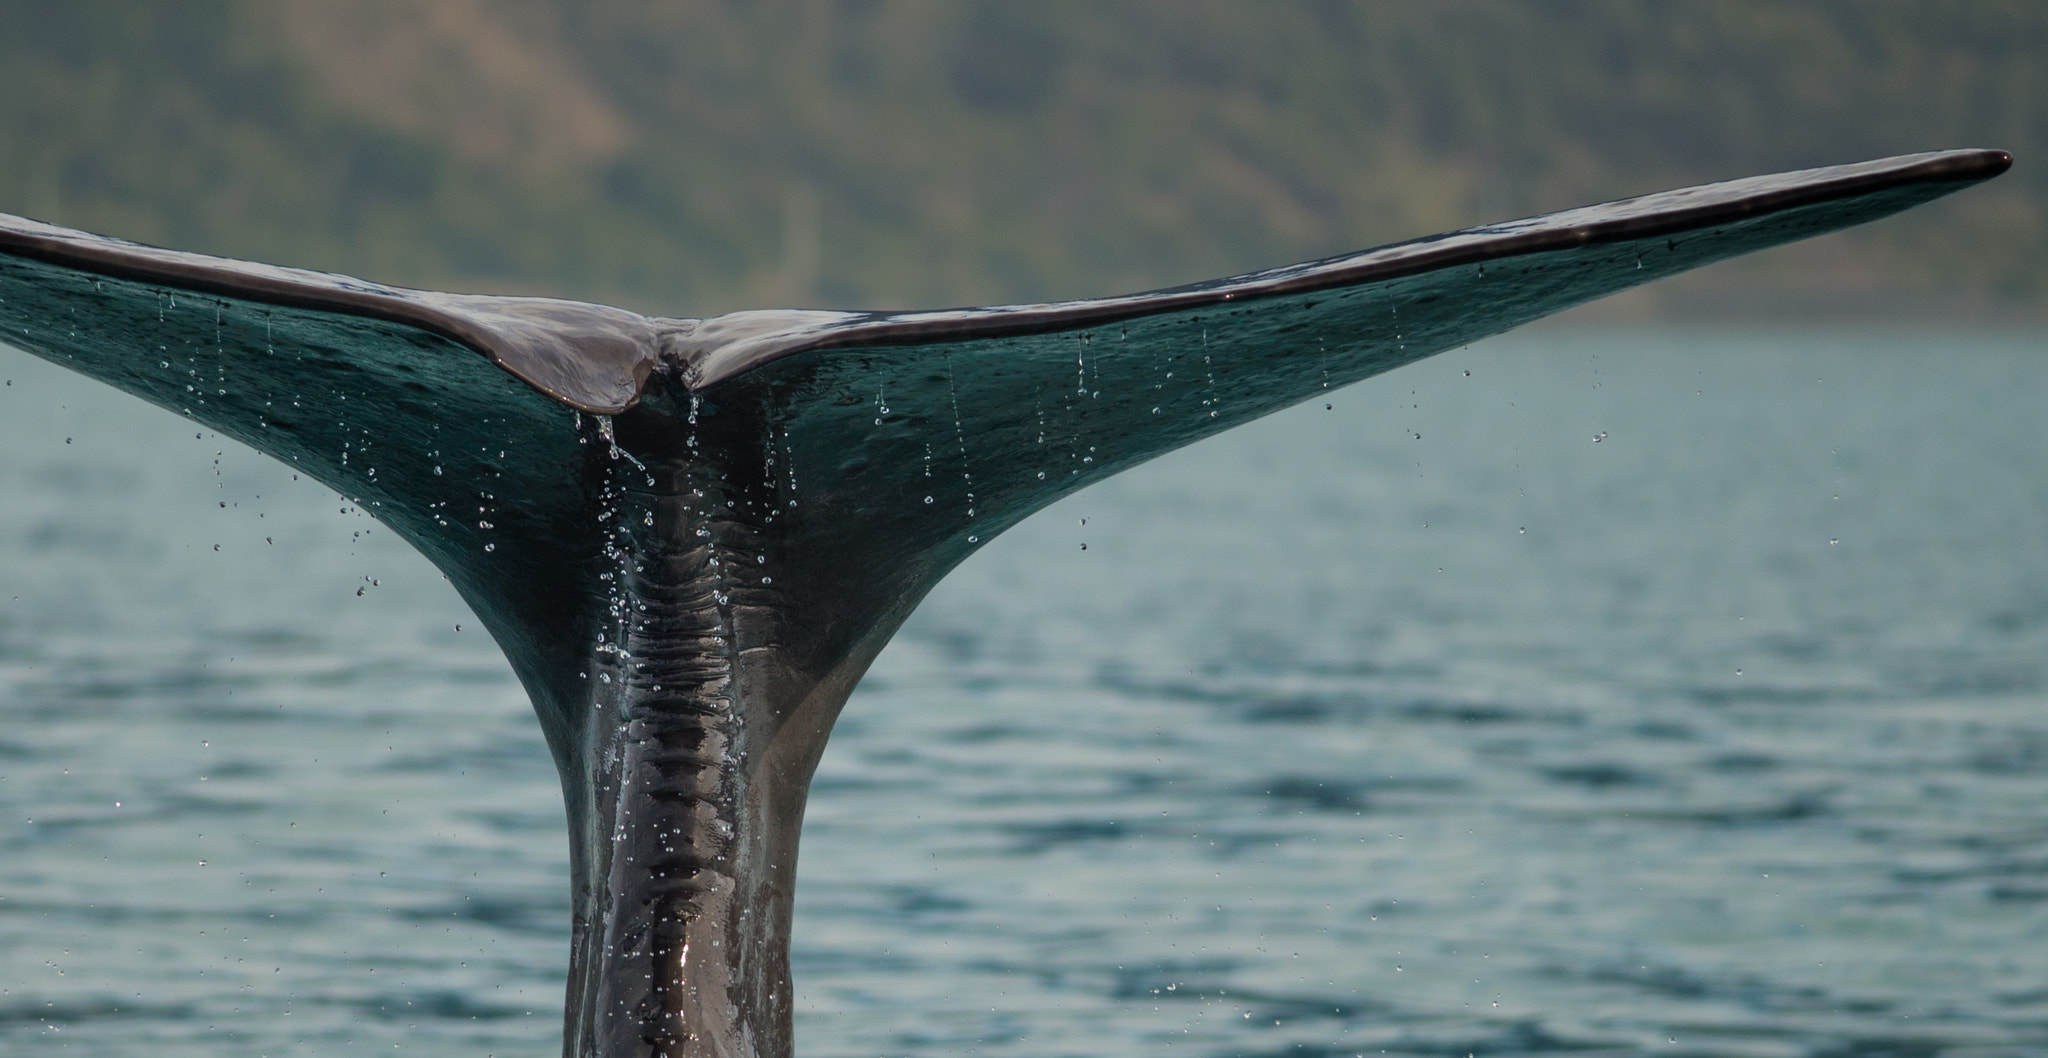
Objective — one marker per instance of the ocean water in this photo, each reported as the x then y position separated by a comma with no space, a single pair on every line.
1610,692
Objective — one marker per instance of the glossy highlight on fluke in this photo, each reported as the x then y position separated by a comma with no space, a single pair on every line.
691,537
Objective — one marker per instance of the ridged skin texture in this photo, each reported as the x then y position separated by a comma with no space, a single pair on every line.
690,585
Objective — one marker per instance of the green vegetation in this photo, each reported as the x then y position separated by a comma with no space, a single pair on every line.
694,158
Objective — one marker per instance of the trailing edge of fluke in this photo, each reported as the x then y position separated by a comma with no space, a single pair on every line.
597,359
691,537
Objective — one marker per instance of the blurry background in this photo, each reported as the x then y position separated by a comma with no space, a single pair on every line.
1632,690
692,158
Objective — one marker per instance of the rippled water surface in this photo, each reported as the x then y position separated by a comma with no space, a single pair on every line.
1580,693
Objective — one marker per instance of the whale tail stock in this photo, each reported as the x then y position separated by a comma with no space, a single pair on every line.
692,537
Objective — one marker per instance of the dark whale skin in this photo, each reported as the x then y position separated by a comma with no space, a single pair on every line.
691,537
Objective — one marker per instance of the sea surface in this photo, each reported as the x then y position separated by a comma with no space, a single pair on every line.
1582,692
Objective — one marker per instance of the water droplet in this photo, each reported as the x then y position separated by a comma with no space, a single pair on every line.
927,499
490,547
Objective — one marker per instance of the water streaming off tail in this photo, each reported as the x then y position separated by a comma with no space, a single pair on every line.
1426,723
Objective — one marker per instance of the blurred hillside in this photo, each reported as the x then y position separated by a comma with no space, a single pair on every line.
688,158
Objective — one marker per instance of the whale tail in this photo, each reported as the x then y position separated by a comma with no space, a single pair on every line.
691,537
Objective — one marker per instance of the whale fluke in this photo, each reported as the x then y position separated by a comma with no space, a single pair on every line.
691,537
